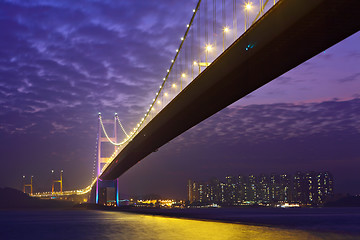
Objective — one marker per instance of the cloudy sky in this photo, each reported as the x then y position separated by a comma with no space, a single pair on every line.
61,62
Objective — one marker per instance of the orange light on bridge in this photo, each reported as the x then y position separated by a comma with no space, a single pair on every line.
208,47
248,6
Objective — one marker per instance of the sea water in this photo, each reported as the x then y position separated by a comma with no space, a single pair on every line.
92,224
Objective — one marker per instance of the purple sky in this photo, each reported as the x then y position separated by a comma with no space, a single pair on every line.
61,62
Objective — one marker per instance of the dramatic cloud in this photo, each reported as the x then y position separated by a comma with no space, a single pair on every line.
264,123
259,139
353,77
54,55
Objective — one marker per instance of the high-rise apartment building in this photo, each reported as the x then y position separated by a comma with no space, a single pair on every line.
310,188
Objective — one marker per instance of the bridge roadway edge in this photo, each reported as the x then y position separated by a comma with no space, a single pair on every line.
303,29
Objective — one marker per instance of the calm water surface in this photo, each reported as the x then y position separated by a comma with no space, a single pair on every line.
85,224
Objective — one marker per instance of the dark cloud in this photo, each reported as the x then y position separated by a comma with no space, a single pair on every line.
283,80
354,55
264,123
353,77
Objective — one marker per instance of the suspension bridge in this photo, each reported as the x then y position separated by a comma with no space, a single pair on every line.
229,49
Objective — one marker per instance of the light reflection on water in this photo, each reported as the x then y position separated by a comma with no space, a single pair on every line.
77,224
155,227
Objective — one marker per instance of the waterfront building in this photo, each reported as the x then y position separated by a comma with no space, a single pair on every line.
263,189
231,190
251,194
241,188
310,188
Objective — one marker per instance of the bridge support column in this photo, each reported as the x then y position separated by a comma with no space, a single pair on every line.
106,191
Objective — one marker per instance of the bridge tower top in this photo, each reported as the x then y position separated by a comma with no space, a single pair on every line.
60,181
28,185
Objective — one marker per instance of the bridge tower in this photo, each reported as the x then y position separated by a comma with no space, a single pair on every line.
60,181
28,185
107,192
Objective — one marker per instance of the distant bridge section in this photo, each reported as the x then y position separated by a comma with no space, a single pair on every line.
290,33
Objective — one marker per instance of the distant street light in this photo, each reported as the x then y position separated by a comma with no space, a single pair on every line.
208,49
247,7
225,30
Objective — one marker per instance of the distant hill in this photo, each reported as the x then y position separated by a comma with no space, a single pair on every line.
12,198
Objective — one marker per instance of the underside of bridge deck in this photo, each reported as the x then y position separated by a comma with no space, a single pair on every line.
290,33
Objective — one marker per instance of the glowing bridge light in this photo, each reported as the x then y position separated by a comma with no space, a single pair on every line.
248,6
208,47
183,75
225,30
158,102
173,85
166,94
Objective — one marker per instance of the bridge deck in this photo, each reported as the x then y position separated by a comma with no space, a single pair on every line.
287,35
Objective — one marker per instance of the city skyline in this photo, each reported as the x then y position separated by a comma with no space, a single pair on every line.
65,62
274,189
